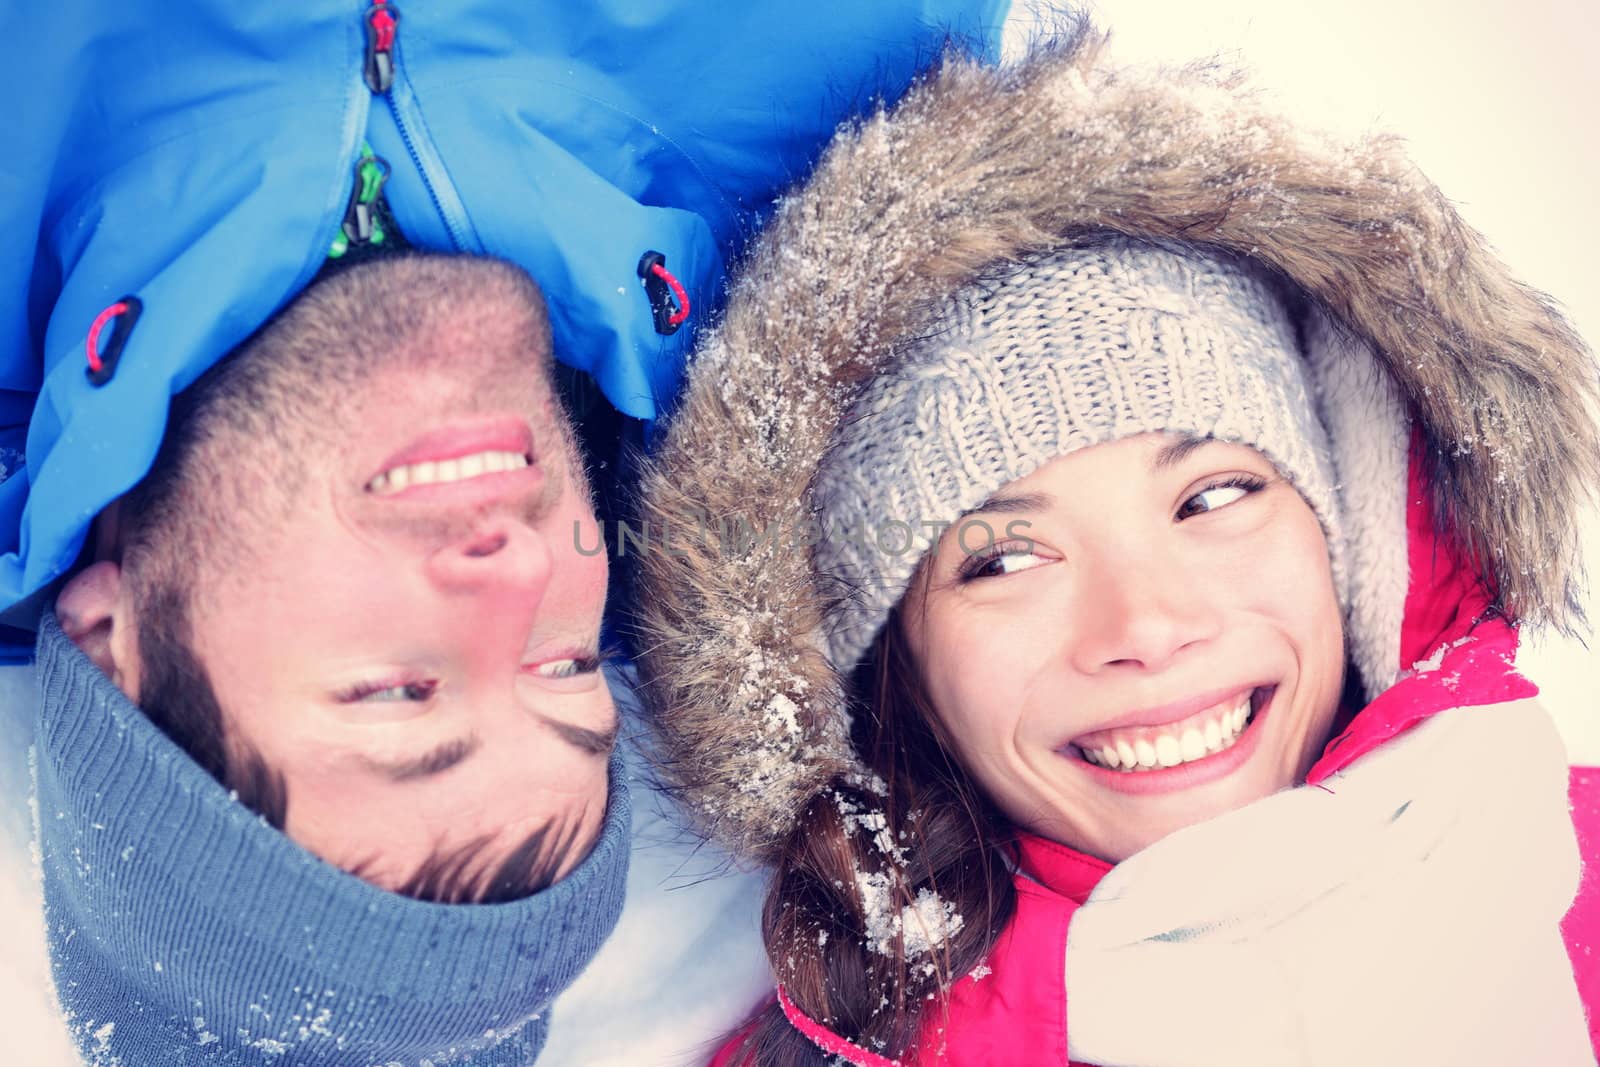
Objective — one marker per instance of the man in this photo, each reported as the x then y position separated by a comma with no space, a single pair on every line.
351,594
356,597
178,181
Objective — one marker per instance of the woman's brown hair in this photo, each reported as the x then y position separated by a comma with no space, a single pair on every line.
920,824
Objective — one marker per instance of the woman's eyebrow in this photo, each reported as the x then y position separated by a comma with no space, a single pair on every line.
1010,505
1174,452
438,761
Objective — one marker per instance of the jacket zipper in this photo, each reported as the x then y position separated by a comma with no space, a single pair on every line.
382,25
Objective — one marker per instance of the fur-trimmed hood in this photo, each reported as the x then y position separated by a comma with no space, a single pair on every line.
1428,356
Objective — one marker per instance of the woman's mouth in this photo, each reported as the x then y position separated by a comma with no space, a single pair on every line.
1196,737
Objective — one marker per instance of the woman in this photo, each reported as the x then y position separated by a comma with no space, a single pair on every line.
1177,483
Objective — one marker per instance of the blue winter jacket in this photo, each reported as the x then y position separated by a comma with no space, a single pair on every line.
202,157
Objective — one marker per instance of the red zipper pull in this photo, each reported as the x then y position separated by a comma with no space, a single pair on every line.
382,20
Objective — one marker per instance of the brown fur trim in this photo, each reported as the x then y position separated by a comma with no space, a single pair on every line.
980,166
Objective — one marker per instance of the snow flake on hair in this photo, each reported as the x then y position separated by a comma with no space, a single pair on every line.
923,926
875,823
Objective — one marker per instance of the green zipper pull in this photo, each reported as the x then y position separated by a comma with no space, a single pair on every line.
361,224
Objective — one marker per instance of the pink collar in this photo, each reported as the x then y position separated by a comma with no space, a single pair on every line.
827,1040
1060,869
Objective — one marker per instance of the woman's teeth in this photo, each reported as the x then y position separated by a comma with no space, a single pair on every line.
435,472
1147,748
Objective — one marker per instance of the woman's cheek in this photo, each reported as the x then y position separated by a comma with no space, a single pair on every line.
988,663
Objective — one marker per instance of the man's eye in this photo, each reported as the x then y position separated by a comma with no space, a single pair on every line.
381,693
1221,494
568,668
1002,559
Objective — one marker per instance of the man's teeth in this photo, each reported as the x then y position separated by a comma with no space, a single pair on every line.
435,472
1199,736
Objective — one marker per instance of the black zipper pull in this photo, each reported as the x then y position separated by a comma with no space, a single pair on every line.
382,20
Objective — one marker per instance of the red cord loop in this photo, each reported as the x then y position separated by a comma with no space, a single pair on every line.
669,302
677,317
92,345
103,358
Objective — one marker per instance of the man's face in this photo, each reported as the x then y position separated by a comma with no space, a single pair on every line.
414,646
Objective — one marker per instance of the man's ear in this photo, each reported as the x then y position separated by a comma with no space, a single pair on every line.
94,611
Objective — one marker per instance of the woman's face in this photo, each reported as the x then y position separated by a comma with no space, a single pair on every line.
1159,603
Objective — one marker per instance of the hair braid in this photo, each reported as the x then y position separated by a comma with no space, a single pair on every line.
924,828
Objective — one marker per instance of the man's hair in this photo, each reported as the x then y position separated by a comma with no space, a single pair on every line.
215,462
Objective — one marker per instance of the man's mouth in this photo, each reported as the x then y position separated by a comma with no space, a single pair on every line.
1198,736
455,452
443,471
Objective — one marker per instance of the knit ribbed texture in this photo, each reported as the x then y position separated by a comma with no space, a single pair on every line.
185,930
1086,347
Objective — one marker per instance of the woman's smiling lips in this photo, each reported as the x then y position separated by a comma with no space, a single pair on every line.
1175,746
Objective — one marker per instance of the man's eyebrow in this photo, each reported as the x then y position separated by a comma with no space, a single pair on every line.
591,742
1175,452
438,761
1010,505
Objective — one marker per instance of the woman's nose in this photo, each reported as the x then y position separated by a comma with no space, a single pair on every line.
499,556
1141,613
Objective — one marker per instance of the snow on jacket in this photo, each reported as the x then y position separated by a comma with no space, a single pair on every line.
202,157
1454,395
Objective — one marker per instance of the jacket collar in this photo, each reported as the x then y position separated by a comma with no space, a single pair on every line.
1060,869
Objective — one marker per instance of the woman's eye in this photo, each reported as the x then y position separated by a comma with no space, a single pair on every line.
1220,495
992,563
567,668
386,694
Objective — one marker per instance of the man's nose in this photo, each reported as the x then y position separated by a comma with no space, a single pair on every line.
499,555
1141,612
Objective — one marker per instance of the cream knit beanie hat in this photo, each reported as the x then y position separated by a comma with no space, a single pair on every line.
1084,347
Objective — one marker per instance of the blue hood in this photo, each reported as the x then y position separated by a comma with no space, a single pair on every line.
201,158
